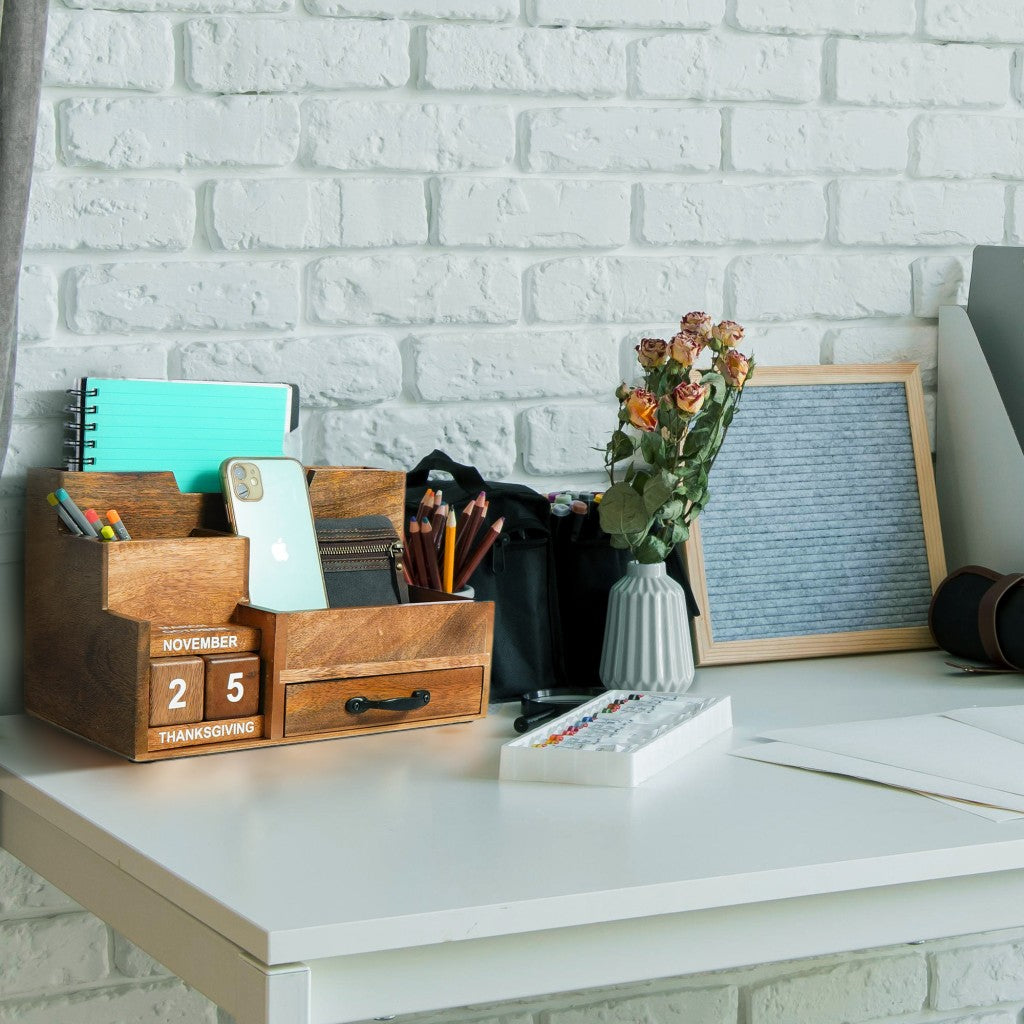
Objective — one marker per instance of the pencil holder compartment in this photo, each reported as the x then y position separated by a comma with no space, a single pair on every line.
149,647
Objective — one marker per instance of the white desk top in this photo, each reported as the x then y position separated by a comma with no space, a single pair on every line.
408,839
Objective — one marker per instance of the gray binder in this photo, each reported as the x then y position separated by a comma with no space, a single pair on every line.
979,454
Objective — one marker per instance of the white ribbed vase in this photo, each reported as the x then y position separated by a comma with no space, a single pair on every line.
647,633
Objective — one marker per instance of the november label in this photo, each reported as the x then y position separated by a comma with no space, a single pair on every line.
195,644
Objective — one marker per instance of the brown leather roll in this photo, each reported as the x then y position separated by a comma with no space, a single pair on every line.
987,618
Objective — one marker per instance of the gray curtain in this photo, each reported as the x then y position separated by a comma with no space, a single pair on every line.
22,46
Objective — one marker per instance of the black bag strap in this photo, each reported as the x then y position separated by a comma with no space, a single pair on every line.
467,477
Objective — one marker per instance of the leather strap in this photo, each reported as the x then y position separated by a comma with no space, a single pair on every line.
987,612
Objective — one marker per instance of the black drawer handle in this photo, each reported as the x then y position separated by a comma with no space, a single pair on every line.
417,699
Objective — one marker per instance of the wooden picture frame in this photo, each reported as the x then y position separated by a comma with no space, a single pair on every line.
822,535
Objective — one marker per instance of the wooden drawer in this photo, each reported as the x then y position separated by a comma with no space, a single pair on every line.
318,707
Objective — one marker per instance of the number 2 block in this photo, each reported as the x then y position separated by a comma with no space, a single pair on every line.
175,691
232,685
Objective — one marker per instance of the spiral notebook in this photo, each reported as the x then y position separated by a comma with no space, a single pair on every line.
184,426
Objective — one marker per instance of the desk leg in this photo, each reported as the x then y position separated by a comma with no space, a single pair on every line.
274,995
252,992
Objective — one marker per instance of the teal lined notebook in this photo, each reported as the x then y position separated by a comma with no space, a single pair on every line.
186,427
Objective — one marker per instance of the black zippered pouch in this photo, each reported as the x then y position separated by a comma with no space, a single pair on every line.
362,562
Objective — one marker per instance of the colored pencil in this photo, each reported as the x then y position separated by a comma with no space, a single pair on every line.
464,515
465,541
478,555
437,524
449,553
430,554
426,502
412,550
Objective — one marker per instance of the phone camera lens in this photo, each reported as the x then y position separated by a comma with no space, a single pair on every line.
238,472
241,490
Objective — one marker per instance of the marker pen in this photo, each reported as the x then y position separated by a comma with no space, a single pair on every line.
93,518
107,533
75,512
119,528
64,517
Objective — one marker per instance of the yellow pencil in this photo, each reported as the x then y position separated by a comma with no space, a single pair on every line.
449,552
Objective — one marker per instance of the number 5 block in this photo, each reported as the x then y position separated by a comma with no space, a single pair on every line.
232,685
175,691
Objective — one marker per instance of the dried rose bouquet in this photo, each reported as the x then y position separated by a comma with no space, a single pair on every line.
669,433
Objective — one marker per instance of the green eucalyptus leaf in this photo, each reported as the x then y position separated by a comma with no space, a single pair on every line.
652,447
697,439
672,509
658,490
622,511
680,533
620,446
652,549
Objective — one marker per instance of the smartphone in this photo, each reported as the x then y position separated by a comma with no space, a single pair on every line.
268,502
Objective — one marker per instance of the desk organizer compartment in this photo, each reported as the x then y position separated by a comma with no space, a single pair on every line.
149,648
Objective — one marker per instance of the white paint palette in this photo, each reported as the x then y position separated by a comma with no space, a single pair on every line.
620,738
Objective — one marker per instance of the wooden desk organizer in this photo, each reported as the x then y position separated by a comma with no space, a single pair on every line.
99,615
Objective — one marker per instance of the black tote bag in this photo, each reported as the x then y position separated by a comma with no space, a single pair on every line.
518,575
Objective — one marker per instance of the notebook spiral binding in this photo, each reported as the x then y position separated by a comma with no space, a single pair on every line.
75,427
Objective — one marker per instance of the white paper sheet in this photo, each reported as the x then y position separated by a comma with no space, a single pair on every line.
839,764
932,744
1005,721
996,814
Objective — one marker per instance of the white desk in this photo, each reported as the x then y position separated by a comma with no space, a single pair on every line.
389,874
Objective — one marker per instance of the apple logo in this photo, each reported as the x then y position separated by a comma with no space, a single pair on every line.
279,550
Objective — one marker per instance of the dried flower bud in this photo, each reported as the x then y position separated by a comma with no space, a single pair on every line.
689,397
642,406
698,321
622,392
652,352
734,367
686,346
728,333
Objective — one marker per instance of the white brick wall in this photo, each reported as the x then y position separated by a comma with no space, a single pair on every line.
921,74
817,17
997,21
727,67
622,139
450,221
714,213
118,134
253,185
799,141
63,966
108,50
464,58
305,213
543,214
96,213
348,135
231,55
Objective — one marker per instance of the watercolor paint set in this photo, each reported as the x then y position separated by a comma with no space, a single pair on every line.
620,738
